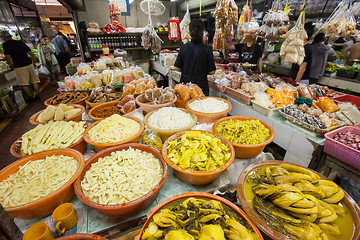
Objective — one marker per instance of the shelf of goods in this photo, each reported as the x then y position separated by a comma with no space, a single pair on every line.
288,136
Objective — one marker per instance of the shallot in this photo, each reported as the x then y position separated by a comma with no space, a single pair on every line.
349,139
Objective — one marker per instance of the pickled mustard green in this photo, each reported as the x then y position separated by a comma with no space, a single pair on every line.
244,132
198,151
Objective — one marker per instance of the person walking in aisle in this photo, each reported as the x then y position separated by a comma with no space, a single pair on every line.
321,53
18,51
61,50
195,59
47,58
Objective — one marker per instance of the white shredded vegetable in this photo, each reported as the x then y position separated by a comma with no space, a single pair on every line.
114,129
37,179
121,177
209,105
170,118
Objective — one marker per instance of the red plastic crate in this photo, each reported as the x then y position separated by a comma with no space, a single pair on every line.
339,150
348,98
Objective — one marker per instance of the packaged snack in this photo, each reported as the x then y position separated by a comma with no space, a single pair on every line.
327,105
195,91
151,138
306,92
183,92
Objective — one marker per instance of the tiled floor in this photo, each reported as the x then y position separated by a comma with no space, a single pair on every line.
19,125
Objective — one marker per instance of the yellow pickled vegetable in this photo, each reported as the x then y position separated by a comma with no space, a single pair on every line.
244,132
198,151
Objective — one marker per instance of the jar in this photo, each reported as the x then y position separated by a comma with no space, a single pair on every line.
105,50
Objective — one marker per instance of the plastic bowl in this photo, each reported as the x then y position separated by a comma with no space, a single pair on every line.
196,177
209,117
82,236
101,146
165,134
91,112
263,226
45,205
80,102
92,105
80,146
209,196
244,151
76,118
130,208
147,107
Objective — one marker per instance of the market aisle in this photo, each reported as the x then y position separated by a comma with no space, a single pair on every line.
19,125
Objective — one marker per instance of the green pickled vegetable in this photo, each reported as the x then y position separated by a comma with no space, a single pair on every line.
198,151
244,132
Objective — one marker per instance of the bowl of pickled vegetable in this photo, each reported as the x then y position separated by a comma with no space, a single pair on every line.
198,157
198,215
249,136
289,201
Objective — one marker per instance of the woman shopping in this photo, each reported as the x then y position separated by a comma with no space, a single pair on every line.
249,51
195,59
47,58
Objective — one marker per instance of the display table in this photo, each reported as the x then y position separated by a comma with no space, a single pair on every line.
90,221
301,147
159,68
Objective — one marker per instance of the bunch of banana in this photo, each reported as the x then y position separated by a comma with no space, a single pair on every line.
197,219
298,197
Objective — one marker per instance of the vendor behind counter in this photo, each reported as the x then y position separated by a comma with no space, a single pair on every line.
195,59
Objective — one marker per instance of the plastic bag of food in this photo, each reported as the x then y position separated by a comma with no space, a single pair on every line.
195,91
151,138
128,77
128,107
125,100
350,111
235,82
327,105
183,92
306,92
128,89
184,26
69,83
83,68
146,37
95,78
342,22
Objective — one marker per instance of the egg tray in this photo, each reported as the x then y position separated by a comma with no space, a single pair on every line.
318,131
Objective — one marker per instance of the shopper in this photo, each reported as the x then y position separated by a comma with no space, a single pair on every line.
24,66
249,52
47,58
339,44
195,59
61,50
321,53
301,73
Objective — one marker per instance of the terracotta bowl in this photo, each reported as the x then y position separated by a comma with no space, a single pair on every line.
91,112
165,134
92,105
146,107
244,151
76,118
209,196
45,205
269,231
100,146
82,236
130,208
80,102
80,146
209,117
196,177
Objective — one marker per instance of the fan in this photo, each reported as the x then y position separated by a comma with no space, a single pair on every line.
152,7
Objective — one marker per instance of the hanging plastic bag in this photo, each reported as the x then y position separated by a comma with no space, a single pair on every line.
184,26
174,29
342,21
43,71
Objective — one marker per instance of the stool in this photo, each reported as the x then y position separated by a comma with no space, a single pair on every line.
9,105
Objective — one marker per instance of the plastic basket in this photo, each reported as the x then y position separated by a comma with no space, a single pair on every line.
340,151
348,98
263,110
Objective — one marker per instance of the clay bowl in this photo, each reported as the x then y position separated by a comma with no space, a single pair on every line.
209,196
76,118
262,225
92,105
82,236
165,134
100,146
147,107
80,101
244,151
47,204
209,117
80,146
196,177
130,208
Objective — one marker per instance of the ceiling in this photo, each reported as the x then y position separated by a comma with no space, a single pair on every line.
47,2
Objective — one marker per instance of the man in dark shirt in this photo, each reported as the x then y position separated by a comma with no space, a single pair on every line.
339,44
24,66
195,59
301,73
